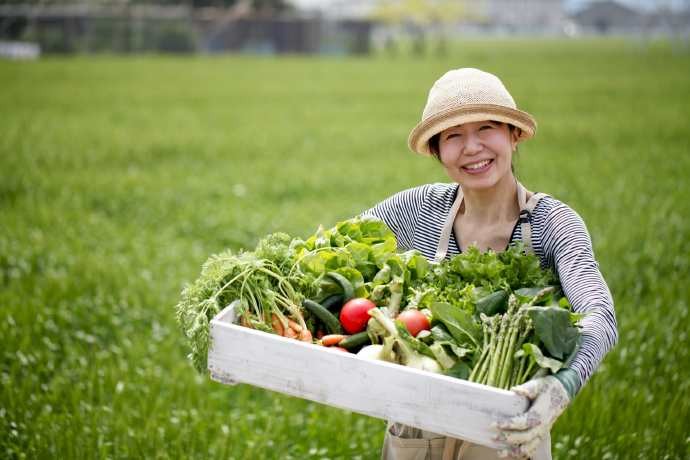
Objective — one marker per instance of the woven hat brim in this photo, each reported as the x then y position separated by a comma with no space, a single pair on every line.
418,141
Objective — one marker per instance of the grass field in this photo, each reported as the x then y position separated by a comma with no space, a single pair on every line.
119,176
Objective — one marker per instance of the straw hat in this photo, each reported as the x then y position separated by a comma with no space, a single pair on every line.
463,96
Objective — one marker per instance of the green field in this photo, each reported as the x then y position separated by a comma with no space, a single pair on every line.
120,176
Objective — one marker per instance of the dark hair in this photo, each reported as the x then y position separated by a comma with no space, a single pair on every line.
435,141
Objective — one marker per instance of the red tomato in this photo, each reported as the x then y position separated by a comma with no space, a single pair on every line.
354,316
414,321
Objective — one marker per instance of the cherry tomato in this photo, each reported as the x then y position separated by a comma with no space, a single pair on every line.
354,316
414,321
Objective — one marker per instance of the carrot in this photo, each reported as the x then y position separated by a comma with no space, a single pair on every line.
331,339
244,321
277,325
290,333
294,326
305,336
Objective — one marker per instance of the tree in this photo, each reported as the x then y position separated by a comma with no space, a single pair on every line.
418,17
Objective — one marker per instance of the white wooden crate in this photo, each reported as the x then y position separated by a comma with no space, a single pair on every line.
432,402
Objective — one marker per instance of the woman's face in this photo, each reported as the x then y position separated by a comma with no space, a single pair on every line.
478,155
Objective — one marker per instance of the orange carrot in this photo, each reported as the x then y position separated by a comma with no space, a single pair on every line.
305,336
290,333
277,325
331,339
294,326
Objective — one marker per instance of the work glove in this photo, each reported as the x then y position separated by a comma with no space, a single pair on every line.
523,433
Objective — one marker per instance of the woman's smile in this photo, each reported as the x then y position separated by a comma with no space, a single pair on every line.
478,167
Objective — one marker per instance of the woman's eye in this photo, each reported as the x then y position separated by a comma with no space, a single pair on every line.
486,127
452,135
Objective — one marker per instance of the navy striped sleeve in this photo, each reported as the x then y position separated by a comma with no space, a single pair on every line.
567,246
400,212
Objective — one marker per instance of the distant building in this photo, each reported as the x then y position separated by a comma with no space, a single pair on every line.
163,28
302,30
540,17
668,23
526,17
337,9
609,17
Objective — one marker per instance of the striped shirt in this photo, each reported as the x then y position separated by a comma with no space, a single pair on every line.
559,238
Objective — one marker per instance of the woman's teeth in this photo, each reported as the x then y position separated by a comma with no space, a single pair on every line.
478,165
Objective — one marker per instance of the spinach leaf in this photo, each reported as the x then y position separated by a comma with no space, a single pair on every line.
530,349
496,302
554,329
460,323
440,335
460,371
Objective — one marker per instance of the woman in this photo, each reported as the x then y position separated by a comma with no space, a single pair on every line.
472,126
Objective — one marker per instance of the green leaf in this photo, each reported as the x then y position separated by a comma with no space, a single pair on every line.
554,329
496,302
349,229
356,279
542,361
360,252
440,336
528,292
397,266
363,259
383,276
416,264
317,262
460,323
460,371
444,359
538,295
338,240
376,229
383,251
323,238
414,343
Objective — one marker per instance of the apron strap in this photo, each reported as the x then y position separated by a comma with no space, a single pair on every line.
442,248
454,449
449,449
526,209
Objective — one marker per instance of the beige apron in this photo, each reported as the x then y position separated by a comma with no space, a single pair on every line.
404,442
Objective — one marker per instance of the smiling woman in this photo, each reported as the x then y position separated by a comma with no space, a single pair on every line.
472,125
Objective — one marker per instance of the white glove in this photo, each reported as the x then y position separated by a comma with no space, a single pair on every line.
526,431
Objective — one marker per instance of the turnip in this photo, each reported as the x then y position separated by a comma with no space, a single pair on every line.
404,352
372,352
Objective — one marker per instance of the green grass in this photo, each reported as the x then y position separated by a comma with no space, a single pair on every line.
119,176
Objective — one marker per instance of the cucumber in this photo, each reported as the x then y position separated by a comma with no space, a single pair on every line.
348,290
333,302
496,302
355,341
326,317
